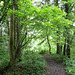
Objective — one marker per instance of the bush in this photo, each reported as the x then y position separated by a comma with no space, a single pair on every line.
4,61
31,64
42,52
70,65
57,57
34,64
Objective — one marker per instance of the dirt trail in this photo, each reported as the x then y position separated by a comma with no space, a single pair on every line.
53,67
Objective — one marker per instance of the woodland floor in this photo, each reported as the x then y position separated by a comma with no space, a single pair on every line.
54,67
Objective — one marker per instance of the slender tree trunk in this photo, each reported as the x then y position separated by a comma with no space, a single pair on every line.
68,48
1,32
59,47
1,40
11,37
18,26
18,56
11,40
48,43
68,39
64,51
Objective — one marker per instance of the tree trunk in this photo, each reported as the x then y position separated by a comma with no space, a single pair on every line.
59,48
48,44
1,40
11,40
64,51
68,48
68,39
11,37
1,32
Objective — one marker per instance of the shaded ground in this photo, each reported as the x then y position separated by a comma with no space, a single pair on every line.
54,67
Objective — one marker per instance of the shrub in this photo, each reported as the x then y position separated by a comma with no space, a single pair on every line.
57,57
31,64
4,61
34,64
42,52
70,65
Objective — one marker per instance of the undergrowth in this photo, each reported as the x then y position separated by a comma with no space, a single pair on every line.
4,61
70,65
43,52
32,64
57,57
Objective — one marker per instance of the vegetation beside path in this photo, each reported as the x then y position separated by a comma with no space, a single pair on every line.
31,64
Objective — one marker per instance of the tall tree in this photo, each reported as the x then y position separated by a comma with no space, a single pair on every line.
11,35
68,8
59,47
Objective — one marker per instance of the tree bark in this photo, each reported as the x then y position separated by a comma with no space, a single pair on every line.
59,48
48,43
64,51
68,39
68,48
11,39
11,36
1,40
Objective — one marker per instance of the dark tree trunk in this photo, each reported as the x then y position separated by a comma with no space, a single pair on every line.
1,32
68,39
64,51
68,48
59,48
18,51
1,40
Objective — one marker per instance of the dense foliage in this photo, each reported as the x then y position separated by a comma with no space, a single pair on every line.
70,65
32,64
46,27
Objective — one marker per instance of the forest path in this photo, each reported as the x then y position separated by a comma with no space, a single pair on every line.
53,67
